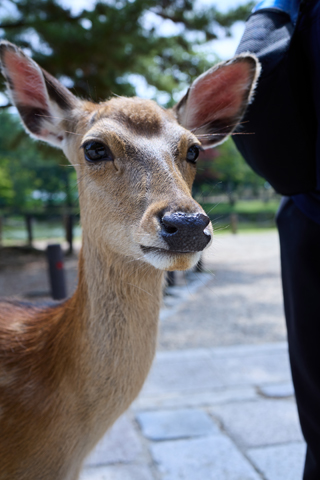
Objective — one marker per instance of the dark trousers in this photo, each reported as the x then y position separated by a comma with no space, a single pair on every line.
300,262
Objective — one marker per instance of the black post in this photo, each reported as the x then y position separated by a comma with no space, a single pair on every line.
28,218
56,272
1,230
69,231
234,222
171,279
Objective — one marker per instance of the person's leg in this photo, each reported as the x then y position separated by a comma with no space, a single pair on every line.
300,262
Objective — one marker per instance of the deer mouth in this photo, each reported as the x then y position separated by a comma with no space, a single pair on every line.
163,251
170,260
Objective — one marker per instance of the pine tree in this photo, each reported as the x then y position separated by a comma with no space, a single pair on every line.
96,51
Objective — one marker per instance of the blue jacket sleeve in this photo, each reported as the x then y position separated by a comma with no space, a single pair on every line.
291,7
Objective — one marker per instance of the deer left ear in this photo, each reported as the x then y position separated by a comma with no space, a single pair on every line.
42,101
217,100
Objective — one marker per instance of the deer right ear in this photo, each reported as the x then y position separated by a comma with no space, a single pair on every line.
216,101
42,102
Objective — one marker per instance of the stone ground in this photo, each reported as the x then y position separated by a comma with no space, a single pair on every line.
240,301
218,403
222,413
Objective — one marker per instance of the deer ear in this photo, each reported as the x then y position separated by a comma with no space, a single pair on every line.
42,102
216,101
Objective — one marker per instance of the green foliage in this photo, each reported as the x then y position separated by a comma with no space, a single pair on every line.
30,177
230,167
243,207
96,51
6,185
224,170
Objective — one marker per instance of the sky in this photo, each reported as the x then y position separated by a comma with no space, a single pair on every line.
224,48
223,5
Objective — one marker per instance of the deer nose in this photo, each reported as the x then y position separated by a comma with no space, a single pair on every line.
184,232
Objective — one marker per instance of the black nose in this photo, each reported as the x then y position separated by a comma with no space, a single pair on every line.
184,232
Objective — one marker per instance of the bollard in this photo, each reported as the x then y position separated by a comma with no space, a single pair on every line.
69,232
28,219
56,272
234,222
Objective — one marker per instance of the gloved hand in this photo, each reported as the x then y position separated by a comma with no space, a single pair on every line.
291,7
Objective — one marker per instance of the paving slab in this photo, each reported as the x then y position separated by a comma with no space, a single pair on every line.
181,375
265,422
224,351
204,369
242,304
264,367
209,458
195,399
280,462
120,444
173,424
277,390
185,355
248,350
119,472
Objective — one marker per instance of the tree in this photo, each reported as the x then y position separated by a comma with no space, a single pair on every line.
96,51
29,177
225,166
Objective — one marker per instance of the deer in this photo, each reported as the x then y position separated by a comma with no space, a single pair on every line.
68,371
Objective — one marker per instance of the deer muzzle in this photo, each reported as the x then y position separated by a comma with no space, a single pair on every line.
185,232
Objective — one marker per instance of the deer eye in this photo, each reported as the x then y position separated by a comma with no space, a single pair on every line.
97,152
193,153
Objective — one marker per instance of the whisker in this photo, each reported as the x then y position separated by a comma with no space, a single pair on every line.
214,206
73,133
218,129
148,293
48,116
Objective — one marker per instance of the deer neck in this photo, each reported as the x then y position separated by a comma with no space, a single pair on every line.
118,301
114,284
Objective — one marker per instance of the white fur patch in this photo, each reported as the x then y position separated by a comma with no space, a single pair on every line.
162,261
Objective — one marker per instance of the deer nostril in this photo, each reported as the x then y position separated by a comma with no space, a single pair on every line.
167,226
169,229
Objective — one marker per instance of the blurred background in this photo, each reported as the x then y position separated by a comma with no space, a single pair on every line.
126,47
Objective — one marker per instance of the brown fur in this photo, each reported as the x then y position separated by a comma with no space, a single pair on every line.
57,369
67,372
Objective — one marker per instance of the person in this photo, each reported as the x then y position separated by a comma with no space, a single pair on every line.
285,148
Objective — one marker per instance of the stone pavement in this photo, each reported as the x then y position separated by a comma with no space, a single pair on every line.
225,413
241,303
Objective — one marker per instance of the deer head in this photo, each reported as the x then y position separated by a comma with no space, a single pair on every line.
135,161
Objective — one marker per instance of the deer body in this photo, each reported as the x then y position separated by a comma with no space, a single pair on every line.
69,371
89,364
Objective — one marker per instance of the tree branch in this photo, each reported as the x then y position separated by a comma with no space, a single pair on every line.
14,25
